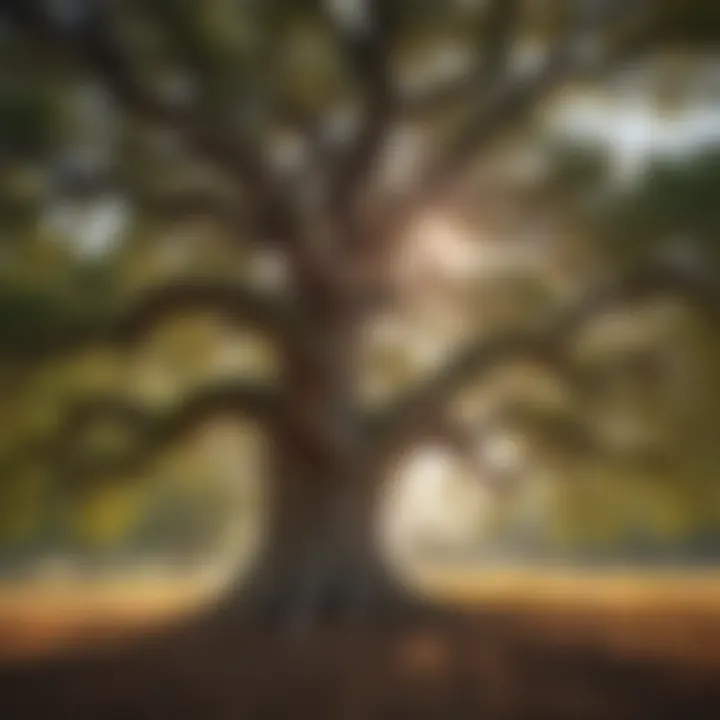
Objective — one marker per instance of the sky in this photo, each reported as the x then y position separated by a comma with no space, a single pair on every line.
633,131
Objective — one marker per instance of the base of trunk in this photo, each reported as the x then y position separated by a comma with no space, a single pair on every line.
296,598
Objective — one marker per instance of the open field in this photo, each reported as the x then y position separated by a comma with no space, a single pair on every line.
671,618
47,616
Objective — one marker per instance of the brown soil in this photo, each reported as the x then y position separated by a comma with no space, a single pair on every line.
450,666
586,658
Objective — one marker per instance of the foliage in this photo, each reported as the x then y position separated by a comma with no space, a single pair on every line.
176,146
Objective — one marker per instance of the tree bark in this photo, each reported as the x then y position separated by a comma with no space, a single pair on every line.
321,556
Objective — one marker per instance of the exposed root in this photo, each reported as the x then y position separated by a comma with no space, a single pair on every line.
293,602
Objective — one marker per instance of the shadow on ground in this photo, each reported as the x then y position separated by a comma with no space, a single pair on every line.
460,665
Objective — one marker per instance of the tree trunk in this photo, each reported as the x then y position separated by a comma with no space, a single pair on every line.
321,555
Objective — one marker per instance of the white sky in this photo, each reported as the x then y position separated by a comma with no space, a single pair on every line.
634,131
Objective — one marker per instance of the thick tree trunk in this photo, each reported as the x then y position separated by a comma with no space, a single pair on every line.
321,555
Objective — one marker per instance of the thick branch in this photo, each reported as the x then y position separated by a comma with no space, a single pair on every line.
501,24
466,443
369,51
93,43
547,344
128,327
176,207
496,35
499,107
153,430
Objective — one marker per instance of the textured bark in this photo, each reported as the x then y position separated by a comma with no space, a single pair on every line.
321,556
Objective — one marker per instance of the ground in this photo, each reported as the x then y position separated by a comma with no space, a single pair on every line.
524,647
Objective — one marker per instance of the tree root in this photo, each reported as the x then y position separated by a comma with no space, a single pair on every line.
295,601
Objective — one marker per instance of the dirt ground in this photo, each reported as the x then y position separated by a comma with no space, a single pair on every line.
576,657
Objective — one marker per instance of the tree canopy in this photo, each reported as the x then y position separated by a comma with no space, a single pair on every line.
198,201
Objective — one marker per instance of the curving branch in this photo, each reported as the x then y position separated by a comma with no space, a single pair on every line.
369,51
547,344
153,430
93,43
466,444
502,20
371,58
445,431
496,34
127,328
235,221
500,106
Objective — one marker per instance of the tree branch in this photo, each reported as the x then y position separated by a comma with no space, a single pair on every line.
197,203
496,33
466,443
501,106
497,28
547,344
92,42
501,22
130,326
369,51
154,430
